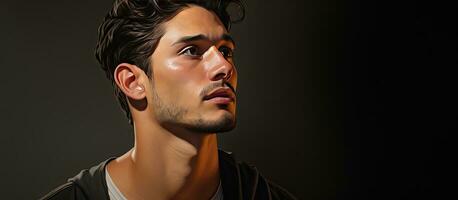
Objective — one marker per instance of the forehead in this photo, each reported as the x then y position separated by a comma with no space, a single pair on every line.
193,20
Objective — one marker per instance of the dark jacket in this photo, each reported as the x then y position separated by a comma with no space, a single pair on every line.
240,181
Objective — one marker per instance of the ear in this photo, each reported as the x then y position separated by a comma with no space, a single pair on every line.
129,79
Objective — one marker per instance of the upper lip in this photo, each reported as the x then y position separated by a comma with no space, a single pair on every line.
221,92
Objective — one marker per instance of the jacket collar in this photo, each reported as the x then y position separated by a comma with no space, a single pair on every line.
230,175
238,181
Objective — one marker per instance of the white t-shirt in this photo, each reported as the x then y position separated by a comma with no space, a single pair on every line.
115,194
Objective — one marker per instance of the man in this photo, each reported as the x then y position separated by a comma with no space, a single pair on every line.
171,63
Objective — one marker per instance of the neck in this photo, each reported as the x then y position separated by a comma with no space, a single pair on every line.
168,165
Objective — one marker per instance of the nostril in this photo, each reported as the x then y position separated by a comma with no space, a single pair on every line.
219,76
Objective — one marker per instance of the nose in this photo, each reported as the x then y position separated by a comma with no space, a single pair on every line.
217,65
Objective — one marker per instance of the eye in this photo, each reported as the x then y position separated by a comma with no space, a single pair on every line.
226,51
190,51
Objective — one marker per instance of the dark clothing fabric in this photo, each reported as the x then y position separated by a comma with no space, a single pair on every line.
240,181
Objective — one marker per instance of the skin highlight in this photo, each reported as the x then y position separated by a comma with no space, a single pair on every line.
175,155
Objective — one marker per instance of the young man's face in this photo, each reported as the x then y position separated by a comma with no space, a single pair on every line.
192,61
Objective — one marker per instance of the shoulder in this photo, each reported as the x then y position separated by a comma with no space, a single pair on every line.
254,184
279,192
88,184
68,191
275,191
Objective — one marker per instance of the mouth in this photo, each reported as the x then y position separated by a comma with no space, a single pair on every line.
220,96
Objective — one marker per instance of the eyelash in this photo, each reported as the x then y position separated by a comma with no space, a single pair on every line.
229,53
187,48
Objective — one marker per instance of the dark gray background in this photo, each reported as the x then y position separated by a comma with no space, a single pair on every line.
59,115
345,99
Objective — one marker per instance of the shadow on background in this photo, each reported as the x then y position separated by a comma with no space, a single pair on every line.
396,74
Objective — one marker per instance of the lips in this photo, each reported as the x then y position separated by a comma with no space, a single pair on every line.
221,95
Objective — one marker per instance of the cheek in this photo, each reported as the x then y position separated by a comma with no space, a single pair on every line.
179,79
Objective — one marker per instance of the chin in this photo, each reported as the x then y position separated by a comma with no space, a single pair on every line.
225,122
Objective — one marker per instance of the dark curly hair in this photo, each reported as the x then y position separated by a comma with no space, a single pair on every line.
131,30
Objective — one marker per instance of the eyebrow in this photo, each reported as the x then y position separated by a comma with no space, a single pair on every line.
187,39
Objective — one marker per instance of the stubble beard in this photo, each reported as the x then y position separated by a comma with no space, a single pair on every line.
175,115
